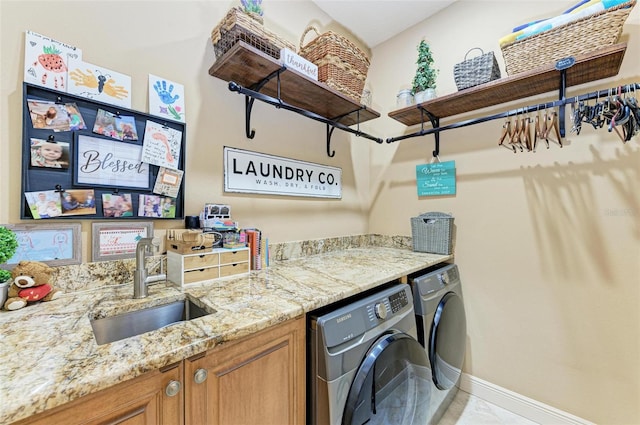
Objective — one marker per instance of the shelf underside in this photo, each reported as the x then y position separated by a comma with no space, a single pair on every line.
248,66
603,63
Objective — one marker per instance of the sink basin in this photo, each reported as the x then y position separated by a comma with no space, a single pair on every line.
125,325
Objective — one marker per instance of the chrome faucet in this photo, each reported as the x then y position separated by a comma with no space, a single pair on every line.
140,277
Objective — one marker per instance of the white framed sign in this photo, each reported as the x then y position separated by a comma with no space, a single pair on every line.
254,172
105,162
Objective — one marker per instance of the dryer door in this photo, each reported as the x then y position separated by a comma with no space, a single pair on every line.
447,341
392,384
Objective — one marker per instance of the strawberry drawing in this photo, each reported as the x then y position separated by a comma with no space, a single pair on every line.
51,60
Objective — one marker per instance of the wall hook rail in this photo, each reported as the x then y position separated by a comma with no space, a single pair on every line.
279,103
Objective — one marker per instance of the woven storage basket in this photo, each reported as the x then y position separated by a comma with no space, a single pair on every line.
475,71
432,232
239,26
575,38
341,64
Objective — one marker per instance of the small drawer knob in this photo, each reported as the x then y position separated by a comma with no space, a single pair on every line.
173,388
200,376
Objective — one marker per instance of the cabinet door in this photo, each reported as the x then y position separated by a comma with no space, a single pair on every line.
141,401
255,380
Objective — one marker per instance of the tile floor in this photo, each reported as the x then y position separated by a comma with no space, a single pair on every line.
470,410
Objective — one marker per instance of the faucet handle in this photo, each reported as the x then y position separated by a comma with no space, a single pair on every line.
149,244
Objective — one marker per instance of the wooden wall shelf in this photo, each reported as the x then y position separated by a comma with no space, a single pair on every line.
597,65
247,66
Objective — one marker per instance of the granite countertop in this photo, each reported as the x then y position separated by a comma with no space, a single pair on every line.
48,354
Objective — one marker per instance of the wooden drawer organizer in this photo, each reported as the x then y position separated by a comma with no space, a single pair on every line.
184,269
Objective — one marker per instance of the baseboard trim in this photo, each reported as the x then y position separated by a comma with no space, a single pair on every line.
517,403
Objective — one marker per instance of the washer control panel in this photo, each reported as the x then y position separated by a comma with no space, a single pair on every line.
362,315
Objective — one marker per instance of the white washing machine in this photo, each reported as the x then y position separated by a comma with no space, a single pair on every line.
365,364
442,330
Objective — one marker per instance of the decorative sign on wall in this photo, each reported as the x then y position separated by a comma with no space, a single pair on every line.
436,179
102,162
253,172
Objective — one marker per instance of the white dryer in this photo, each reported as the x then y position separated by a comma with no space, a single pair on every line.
442,330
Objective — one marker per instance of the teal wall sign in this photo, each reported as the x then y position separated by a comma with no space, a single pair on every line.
436,179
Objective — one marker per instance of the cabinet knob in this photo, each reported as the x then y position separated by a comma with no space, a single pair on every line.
173,388
200,376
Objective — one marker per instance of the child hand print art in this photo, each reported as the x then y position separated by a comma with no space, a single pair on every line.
166,99
98,83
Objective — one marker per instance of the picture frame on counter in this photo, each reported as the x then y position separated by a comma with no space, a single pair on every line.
56,244
118,240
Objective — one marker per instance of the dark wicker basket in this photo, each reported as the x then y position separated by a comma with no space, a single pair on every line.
476,71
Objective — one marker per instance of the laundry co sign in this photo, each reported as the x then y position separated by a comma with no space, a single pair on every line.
253,172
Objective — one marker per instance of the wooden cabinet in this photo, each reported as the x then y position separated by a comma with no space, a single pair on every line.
259,379
154,398
184,269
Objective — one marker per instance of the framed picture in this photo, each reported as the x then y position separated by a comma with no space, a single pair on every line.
117,241
102,162
54,244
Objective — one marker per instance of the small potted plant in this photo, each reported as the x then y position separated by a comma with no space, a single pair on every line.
253,8
8,246
424,82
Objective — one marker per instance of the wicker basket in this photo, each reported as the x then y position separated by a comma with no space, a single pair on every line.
432,232
341,64
476,71
239,26
575,38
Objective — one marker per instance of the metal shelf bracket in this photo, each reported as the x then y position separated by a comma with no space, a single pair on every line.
332,123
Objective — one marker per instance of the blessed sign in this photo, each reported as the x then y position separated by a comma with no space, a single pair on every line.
103,162
253,172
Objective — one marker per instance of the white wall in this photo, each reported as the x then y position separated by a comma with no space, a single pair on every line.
547,243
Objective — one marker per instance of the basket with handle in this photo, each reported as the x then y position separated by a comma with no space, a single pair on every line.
582,36
341,64
477,70
432,232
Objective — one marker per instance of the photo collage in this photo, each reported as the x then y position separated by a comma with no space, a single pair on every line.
116,165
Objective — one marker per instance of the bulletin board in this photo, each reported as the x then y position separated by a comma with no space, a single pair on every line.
84,159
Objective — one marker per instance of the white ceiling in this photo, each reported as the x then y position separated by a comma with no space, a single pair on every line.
375,21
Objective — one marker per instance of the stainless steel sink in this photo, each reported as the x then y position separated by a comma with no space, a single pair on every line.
115,328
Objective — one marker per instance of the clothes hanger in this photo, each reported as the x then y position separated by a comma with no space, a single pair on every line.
527,132
506,131
515,137
553,125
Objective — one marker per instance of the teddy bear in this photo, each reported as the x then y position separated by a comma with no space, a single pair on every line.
30,283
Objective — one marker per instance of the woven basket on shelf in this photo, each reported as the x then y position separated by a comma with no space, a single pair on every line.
240,26
341,64
475,71
575,38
